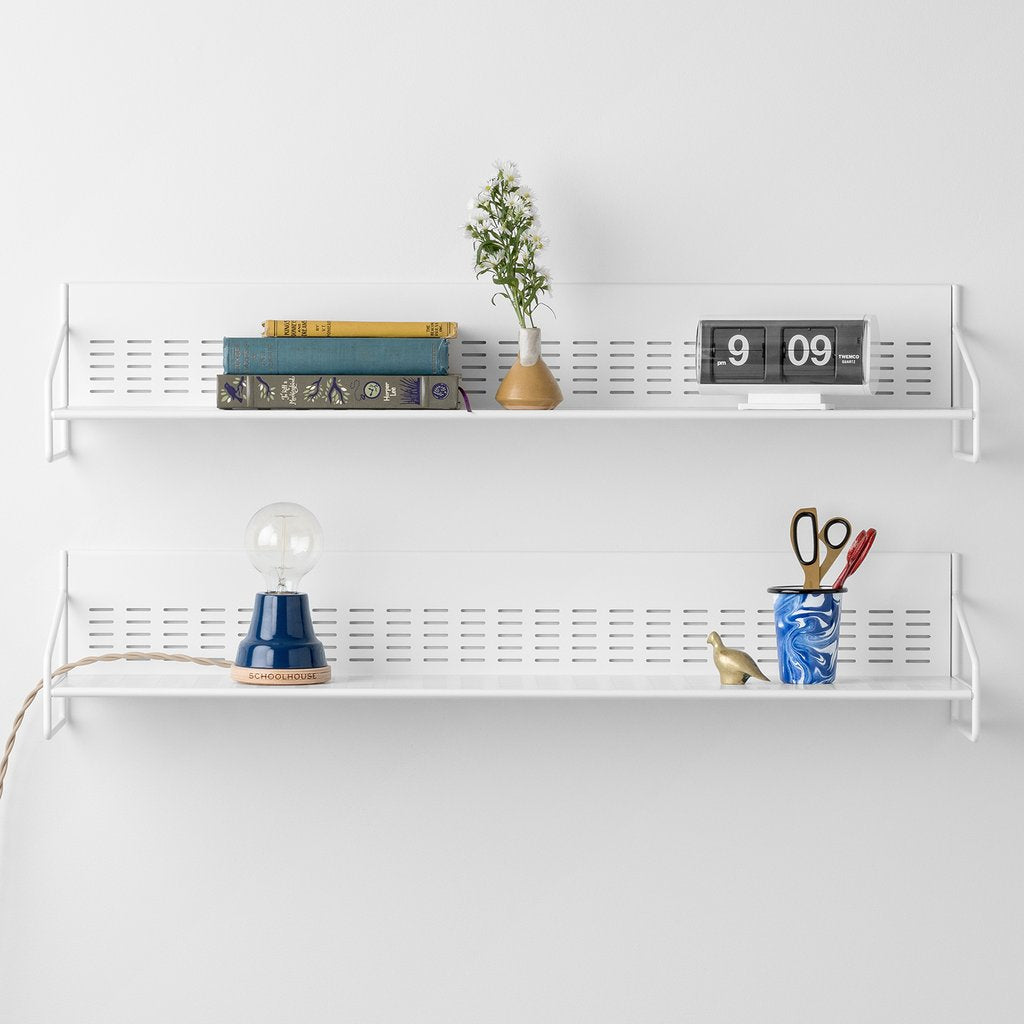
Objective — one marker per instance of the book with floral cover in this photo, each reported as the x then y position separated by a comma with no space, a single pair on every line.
337,391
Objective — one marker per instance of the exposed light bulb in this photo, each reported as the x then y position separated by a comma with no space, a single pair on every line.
284,542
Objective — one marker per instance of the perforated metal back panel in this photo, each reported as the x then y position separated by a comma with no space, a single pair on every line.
402,613
613,346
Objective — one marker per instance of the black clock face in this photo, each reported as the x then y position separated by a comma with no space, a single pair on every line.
809,355
738,354
783,352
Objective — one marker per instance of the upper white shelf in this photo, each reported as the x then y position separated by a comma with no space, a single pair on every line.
555,415
620,351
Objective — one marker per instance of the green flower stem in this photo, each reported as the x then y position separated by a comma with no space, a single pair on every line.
503,227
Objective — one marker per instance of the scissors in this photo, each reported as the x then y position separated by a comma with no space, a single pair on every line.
855,556
813,568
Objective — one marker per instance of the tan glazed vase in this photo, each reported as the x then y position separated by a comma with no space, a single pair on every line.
529,384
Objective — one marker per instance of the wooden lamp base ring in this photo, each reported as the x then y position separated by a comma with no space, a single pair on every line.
280,676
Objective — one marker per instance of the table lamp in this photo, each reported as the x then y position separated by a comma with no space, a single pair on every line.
283,541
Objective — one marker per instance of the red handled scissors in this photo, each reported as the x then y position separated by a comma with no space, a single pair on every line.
813,568
856,555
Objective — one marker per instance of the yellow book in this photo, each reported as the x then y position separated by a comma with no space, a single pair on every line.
358,329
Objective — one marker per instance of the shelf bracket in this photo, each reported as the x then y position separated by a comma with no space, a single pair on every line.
964,365
57,641
58,372
962,641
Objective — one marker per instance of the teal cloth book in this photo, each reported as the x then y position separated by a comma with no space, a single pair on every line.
336,355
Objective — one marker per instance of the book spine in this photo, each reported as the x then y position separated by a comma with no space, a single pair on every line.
337,391
359,329
336,355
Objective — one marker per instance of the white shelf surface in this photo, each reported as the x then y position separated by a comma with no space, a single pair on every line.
518,625
216,683
621,352
209,413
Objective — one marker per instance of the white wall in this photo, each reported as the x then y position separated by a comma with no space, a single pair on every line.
489,862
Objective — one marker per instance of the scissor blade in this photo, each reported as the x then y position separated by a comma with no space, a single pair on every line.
830,558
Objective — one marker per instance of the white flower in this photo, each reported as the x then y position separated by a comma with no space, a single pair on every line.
502,224
468,230
507,169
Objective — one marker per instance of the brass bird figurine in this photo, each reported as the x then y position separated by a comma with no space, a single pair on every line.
734,667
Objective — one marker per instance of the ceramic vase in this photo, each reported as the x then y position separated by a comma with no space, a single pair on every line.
529,384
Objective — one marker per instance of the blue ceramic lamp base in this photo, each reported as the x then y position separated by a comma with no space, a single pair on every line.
281,648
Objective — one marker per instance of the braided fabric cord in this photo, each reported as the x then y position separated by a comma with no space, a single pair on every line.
92,660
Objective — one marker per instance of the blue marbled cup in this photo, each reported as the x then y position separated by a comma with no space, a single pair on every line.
807,633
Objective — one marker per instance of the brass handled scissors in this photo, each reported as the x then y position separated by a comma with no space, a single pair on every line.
813,565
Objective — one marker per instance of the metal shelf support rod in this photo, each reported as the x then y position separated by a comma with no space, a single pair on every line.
57,363
58,635
962,640
965,363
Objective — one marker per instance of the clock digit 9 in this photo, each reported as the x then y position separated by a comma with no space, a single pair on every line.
738,355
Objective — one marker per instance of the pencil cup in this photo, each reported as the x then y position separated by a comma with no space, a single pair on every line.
807,633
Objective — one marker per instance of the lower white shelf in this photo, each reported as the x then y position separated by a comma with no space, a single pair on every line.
216,683
578,625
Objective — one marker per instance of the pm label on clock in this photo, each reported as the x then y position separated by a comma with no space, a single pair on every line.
738,354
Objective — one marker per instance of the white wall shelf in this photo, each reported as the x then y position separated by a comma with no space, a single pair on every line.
554,415
215,683
559,625
621,352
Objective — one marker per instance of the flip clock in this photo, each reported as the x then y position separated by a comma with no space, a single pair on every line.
787,364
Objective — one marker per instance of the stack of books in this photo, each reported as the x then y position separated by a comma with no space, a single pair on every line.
338,364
